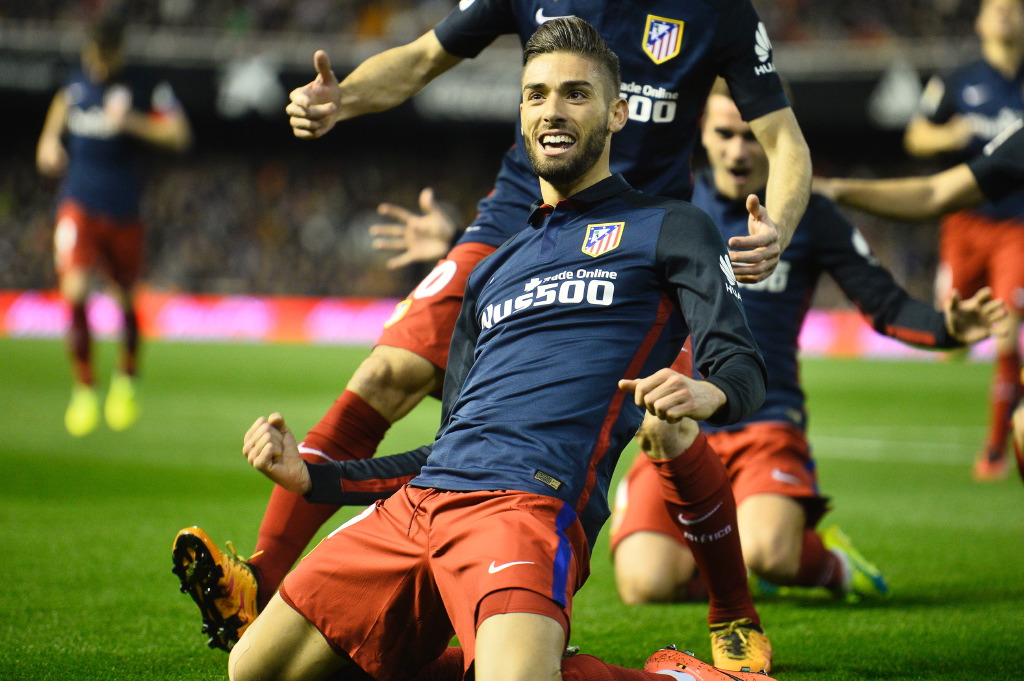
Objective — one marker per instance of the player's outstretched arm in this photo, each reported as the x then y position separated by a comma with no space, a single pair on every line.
168,130
924,138
51,156
789,184
416,237
271,449
672,396
971,320
906,198
379,83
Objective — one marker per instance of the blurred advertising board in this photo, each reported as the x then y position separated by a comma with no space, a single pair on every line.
351,321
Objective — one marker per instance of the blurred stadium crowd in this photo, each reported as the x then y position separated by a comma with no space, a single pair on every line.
401,20
221,223
228,218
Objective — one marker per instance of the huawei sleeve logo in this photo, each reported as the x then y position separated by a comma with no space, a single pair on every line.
730,277
762,45
763,50
726,266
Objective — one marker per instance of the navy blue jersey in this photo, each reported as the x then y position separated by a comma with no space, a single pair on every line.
607,285
103,167
999,170
991,103
670,52
824,242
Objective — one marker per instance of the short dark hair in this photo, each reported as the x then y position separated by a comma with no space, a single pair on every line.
107,33
576,36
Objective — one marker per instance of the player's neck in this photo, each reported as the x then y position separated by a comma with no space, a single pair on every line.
1004,57
552,194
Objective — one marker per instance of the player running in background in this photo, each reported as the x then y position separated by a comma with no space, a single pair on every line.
995,173
93,136
492,539
960,114
671,52
767,455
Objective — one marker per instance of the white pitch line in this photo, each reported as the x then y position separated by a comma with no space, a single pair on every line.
946,452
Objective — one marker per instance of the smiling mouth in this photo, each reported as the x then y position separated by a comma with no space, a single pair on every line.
556,143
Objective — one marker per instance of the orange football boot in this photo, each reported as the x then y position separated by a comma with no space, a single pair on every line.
223,586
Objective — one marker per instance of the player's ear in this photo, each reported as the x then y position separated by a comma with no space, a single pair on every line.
618,114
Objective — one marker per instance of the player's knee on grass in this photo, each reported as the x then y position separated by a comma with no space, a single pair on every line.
394,380
771,533
773,560
652,568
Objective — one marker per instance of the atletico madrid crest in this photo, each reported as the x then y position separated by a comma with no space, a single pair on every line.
662,38
602,238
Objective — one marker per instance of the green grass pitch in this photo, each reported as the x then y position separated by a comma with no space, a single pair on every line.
86,525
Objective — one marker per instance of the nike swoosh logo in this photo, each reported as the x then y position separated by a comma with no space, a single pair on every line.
785,477
473,228
306,449
684,521
541,18
464,4
498,568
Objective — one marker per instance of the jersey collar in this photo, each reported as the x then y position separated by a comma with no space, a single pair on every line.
581,200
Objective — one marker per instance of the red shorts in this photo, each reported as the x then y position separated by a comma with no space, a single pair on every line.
84,240
390,587
764,458
975,251
423,323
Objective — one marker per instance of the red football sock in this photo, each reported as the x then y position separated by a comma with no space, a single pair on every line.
1004,395
131,342
818,565
351,429
696,490
80,341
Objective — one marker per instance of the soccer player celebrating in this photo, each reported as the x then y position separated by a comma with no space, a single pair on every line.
960,114
671,52
92,136
995,173
492,539
992,175
767,455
